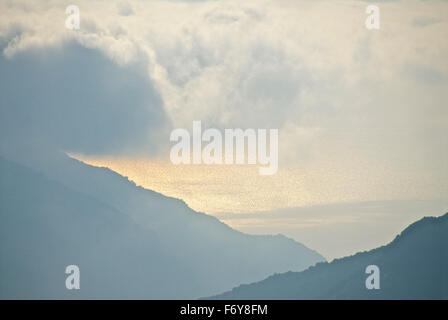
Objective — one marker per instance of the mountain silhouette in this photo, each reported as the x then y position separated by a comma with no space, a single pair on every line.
413,266
129,242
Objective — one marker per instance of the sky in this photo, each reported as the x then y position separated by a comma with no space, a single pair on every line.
361,114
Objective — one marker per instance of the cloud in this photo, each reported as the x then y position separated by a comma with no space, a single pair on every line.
423,21
124,8
426,75
78,100
334,89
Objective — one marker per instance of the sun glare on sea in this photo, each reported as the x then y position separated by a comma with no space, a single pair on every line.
212,188
215,189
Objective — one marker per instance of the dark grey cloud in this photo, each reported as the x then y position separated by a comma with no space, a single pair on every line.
78,100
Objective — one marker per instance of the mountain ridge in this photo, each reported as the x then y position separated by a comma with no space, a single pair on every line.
403,275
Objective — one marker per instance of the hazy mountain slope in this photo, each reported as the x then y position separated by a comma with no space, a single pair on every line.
45,226
413,266
128,241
